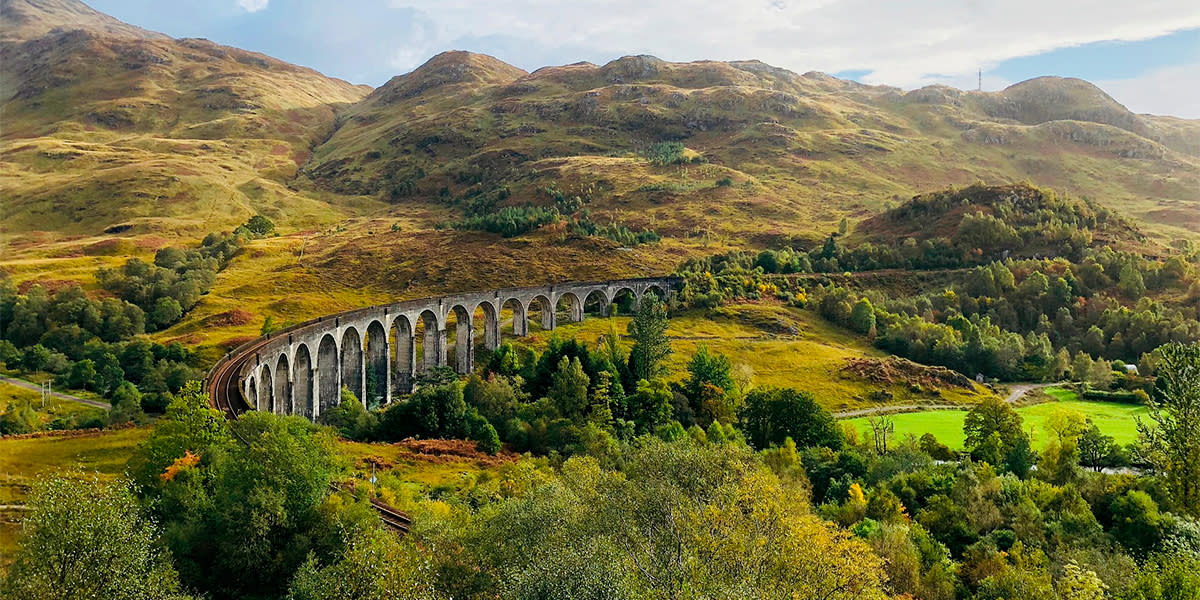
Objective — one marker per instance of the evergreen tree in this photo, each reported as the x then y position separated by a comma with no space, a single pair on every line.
650,344
569,387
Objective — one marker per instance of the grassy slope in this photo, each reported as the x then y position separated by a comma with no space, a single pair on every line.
177,138
759,336
22,461
1117,420
804,150
174,137
11,394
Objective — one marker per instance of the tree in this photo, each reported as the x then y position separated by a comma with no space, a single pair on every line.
882,427
1067,424
569,388
36,358
930,445
1171,437
1081,367
771,415
1080,584
86,539
991,416
19,418
255,508
126,405
709,383
349,418
1137,523
82,375
1130,281
190,424
650,344
708,367
862,317
166,311
437,411
1097,451
10,355
259,225
994,435
649,406
374,566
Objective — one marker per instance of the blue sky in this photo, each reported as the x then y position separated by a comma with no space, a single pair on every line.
1145,54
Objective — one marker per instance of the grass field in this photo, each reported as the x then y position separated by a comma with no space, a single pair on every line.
1115,419
782,346
12,394
404,475
23,461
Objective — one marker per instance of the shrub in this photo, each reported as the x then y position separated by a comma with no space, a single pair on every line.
259,226
664,153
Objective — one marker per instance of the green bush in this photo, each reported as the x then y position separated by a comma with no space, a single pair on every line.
510,221
664,153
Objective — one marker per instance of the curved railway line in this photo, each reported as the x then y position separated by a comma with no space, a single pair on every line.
225,396
300,369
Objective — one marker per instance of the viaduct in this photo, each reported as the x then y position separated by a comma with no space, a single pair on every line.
377,352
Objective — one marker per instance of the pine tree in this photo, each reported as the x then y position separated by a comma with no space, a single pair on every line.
650,344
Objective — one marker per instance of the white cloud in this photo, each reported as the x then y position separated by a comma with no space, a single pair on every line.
1171,91
906,44
253,5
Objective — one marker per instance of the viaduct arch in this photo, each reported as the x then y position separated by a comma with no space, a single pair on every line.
373,351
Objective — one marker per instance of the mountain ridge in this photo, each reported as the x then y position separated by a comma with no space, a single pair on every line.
115,129
24,20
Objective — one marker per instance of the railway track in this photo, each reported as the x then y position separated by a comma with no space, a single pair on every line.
225,396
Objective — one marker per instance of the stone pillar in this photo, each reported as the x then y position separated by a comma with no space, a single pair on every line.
548,318
576,309
406,360
362,371
491,329
387,368
316,391
439,347
521,320
464,345
434,348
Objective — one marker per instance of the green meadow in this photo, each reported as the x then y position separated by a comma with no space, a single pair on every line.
1115,419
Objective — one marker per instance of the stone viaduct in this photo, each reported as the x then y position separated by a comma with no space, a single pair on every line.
377,352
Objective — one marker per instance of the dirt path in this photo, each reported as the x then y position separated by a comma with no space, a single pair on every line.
1018,391
61,396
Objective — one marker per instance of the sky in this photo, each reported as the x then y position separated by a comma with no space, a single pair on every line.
1146,53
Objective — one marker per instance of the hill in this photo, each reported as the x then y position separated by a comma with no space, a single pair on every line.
113,131
1018,220
801,151
109,127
